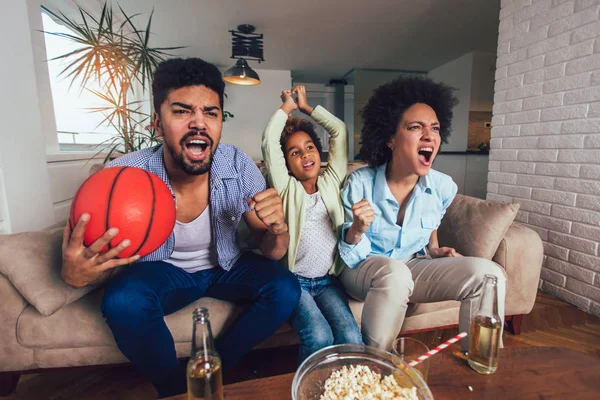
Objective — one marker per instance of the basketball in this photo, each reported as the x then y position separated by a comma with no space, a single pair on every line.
135,201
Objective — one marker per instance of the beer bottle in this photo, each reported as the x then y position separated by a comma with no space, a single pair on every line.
486,326
204,372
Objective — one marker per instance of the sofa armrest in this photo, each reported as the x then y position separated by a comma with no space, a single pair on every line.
14,357
520,253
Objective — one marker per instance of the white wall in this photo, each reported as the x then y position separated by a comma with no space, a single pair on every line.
66,172
476,175
482,81
4,222
22,143
457,73
252,107
468,171
546,141
454,165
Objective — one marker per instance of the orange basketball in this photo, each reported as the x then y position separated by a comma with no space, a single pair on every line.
135,201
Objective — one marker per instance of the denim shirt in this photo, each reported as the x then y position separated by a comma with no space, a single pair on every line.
234,178
427,205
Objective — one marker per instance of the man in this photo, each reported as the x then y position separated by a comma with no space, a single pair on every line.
213,185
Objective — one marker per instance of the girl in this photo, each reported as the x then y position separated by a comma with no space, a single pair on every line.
313,212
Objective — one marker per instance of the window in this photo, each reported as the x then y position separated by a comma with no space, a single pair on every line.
77,127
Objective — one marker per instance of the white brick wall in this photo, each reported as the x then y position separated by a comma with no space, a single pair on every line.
3,214
546,136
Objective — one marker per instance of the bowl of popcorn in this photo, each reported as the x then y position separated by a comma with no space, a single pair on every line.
357,372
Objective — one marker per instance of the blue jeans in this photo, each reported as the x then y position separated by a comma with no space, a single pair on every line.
323,317
136,301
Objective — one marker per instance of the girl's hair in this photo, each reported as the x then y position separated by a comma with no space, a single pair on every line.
295,124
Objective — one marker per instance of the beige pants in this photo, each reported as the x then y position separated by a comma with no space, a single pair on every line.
387,286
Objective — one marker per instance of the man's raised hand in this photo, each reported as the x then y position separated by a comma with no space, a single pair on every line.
269,209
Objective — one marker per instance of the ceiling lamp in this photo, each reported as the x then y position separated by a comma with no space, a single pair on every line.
245,44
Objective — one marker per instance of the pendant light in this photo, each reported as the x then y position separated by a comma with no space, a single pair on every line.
245,44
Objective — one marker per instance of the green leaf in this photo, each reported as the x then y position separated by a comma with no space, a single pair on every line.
109,58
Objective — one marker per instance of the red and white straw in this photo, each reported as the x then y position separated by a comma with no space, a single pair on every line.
437,349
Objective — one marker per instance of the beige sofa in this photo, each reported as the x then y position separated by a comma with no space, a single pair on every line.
69,331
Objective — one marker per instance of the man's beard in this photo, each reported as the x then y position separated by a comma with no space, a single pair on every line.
192,167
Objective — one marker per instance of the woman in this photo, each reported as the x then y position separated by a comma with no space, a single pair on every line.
393,209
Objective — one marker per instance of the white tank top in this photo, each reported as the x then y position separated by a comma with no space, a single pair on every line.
194,250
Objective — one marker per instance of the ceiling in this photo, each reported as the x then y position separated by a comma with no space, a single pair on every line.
323,40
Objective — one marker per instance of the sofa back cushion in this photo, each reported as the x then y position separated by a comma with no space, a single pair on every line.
32,263
475,227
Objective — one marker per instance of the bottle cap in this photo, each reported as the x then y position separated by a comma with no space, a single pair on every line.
200,313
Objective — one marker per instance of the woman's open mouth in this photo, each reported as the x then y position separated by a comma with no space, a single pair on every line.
426,155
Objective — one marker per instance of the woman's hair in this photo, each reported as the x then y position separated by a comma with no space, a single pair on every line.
295,124
385,108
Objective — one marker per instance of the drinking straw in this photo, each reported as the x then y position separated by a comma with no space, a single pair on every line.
437,349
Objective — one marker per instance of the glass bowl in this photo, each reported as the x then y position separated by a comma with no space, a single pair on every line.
309,381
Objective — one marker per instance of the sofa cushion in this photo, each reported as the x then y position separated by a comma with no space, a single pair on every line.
475,227
80,324
32,263
418,316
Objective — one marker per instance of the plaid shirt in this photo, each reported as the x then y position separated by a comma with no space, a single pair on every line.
233,179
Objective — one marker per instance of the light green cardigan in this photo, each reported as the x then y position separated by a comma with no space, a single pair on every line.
291,190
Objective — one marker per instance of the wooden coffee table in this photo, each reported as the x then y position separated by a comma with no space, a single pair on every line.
523,373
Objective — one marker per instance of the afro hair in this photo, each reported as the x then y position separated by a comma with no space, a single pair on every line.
295,124
385,109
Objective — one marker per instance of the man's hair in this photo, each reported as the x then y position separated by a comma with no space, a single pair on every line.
385,109
295,124
176,73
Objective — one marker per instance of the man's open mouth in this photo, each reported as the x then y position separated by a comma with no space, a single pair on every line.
197,146
426,155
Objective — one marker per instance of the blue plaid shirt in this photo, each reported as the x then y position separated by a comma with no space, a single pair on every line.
233,179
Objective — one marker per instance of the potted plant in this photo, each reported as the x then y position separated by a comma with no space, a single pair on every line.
114,55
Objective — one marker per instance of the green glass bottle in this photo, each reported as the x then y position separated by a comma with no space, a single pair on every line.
204,372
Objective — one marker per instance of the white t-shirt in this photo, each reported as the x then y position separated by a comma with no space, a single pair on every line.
318,241
194,250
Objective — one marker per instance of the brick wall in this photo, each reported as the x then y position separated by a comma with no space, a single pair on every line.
3,223
546,136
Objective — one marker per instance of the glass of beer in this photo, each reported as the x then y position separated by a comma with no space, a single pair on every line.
409,350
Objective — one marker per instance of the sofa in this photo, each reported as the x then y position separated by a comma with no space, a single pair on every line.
47,324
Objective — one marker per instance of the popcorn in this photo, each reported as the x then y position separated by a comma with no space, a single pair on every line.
358,382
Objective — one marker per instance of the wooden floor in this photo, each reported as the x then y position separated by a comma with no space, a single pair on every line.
551,323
